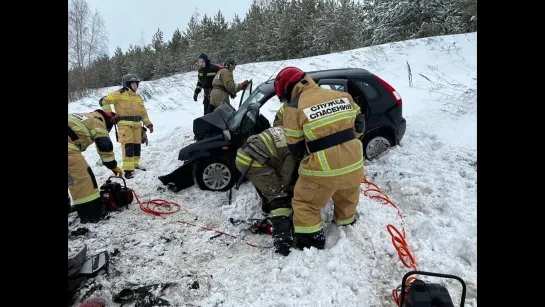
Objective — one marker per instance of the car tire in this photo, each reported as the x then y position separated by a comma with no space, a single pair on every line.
215,175
376,143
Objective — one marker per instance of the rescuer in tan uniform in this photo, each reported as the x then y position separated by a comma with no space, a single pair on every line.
85,129
224,86
279,117
273,172
322,127
131,113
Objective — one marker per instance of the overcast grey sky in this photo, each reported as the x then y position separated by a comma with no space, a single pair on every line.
130,21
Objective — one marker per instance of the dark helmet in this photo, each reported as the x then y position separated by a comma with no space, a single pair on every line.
128,78
229,61
109,118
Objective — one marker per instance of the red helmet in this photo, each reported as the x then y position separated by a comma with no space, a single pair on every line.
286,77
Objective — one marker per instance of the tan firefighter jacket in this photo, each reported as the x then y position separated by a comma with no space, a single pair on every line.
269,148
85,129
314,113
223,86
129,107
279,117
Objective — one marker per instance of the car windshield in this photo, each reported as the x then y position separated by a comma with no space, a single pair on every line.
234,120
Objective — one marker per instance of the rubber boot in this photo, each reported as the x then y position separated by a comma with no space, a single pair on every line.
282,234
308,240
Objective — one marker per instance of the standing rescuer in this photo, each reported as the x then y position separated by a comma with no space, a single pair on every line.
322,127
207,72
85,129
224,86
131,113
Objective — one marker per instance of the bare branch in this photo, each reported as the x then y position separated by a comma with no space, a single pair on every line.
87,37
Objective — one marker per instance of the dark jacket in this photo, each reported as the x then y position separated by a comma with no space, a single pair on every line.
205,75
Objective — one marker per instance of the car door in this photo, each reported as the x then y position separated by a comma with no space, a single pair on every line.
340,85
244,95
374,115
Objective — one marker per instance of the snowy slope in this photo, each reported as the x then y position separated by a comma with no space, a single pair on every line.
431,178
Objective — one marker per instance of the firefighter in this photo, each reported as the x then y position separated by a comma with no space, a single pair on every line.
272,170
207,72
279,117
131,113
322,128
85,129
224,86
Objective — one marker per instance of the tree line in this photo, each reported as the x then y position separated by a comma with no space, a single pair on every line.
271,30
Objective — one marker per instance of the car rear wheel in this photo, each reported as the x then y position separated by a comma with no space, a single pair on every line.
376,143
215,175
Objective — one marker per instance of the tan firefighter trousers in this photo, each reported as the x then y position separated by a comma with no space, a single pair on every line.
85,188
267,181
130,137
310,197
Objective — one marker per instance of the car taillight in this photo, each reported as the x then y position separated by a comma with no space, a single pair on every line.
392,91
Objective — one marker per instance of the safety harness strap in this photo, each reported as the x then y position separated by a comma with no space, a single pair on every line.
331,140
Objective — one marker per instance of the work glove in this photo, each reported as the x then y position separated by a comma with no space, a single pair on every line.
150,127
244,84
117,171
195,96
144,136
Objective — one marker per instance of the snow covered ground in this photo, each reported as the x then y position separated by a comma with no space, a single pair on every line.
431,178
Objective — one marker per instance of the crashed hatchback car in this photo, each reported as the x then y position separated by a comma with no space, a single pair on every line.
210,160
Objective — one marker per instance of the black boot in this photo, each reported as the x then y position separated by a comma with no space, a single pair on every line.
282,224
307,240
282,234
129,174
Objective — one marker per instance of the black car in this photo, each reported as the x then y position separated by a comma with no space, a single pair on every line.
210,160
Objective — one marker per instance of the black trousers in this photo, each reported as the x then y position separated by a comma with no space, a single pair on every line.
206,101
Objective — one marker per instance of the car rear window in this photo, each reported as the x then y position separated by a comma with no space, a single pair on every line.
370,91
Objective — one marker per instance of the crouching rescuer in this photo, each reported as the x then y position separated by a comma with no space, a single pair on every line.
131,113
272,169
85,129
322,127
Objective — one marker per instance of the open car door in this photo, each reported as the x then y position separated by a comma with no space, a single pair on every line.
246,92
252,121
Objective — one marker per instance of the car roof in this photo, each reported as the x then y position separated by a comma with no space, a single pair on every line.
268,86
